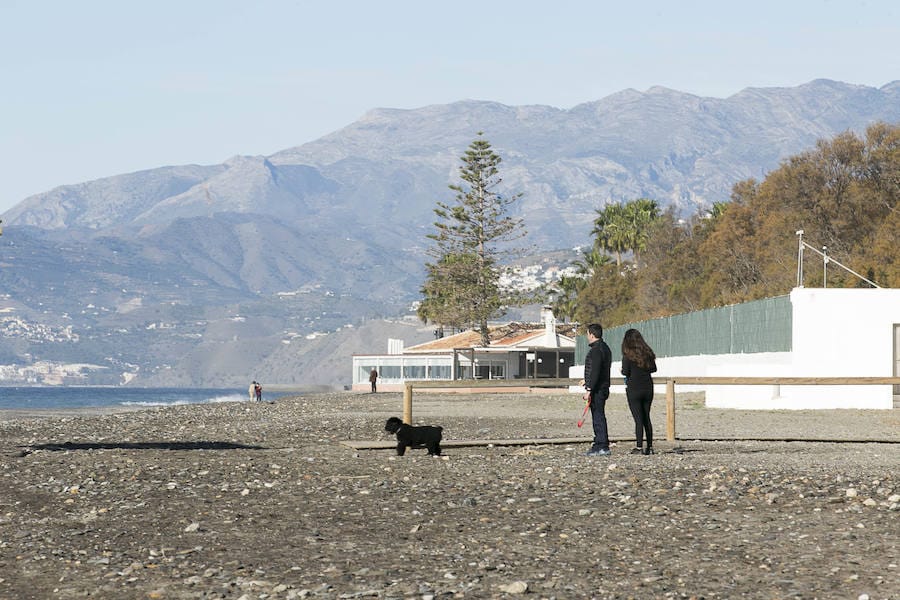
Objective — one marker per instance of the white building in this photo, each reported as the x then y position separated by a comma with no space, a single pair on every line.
516,350
814,332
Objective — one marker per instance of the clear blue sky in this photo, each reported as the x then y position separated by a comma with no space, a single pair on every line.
93,88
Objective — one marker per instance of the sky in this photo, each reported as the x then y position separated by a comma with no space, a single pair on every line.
96,88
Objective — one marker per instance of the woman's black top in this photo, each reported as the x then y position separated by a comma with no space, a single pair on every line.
639,379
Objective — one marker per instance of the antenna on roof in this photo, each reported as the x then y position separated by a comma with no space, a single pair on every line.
825,260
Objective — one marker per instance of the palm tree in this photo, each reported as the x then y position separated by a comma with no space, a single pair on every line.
568,287
622,227
641,214
611,230
566,291
717,210
590,260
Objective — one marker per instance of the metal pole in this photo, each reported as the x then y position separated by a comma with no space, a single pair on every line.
824,266
843,266
800,259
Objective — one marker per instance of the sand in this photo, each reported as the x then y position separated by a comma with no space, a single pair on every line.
252,501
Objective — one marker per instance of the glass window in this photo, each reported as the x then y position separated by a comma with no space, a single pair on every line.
490,369
439,372
414,372
389,372
363,373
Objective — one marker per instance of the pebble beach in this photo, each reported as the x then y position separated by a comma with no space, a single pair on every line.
251,501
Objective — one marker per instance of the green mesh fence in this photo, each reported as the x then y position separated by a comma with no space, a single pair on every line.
758,326
581,349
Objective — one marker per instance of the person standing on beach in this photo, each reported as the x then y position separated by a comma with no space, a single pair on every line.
373,378
597,365
258,391
252,390
638,362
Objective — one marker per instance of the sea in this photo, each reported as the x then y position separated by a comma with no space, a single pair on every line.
62,397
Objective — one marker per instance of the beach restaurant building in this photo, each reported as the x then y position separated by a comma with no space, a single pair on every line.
516,350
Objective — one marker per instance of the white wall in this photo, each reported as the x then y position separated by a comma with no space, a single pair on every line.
835,333
719,365
843,333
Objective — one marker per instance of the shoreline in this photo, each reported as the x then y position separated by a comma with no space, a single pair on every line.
14,414
53,401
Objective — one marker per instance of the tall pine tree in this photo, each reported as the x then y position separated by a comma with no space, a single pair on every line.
462,287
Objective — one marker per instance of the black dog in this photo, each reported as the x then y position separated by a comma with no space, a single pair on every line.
408,436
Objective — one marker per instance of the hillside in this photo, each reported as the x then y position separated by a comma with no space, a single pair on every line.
193,275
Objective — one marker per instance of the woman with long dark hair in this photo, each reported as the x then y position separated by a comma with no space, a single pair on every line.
638,362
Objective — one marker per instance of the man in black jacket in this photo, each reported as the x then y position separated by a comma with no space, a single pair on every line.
596,383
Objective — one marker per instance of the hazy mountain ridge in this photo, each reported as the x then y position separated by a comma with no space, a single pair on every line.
340,222
674,147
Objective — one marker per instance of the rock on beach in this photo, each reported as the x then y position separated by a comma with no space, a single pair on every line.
252,501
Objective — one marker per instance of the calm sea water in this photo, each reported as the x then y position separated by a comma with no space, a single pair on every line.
80,397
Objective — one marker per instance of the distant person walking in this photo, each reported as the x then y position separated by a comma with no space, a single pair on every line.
258,391
638,362
597,365
373,379
252,391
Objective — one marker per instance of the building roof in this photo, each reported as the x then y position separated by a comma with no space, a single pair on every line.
510,335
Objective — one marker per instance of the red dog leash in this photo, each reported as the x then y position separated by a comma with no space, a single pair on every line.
586,407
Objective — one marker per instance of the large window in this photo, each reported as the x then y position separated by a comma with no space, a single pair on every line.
396,369
390,372
490,369
363,373
553,364
439,371
414,372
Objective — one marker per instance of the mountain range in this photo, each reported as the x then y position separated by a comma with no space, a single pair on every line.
279,267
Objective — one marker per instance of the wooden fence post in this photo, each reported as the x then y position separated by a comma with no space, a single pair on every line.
407,404
670,410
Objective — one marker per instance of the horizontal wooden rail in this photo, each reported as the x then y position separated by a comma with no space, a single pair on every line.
669,383
499,383
565,382
785,380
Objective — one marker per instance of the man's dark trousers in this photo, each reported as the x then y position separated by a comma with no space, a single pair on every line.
598,419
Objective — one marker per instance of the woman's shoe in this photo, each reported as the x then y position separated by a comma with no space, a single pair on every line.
637,450
647,451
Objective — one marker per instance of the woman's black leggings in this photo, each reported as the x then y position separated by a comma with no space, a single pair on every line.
639,401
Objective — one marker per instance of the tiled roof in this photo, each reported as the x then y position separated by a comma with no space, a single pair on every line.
466,339
510,334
